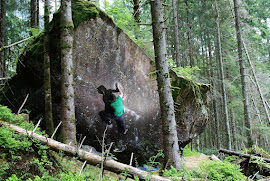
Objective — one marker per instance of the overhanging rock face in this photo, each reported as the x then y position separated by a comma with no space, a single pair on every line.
103,55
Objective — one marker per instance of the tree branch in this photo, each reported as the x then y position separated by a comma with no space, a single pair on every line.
6,47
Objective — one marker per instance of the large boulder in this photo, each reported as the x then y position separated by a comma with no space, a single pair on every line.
103,55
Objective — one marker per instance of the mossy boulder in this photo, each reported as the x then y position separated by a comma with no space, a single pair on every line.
103,55
191,104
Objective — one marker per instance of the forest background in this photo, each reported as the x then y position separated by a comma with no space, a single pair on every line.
236,121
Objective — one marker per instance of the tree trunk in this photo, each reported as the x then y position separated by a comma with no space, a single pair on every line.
176,34
268,42
47,74
205,137
257,84
2,39
191,61
266,142
243,76
136,14
204,63
67,90
217,130
91,158
34,22
55,5
170,139
197,143
224,99
235,142
37,14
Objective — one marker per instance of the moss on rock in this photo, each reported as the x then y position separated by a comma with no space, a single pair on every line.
84,10
81,11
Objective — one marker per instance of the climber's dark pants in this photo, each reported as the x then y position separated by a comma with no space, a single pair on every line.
107,117
121,127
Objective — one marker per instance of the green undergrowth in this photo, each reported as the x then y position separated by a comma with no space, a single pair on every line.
209,170
25,158
256,166
188,152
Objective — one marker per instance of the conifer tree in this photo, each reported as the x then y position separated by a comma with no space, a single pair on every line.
2,38
224,98
176,34
47,74
243,76
34,13
67,90
169,132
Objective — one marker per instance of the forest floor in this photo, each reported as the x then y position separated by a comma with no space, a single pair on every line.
192,162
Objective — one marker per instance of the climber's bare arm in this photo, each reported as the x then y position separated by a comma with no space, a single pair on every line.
121,92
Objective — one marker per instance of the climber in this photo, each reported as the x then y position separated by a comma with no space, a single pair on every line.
117,105
107,114
113,107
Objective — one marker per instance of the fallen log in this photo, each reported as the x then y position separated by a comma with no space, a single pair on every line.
91,158
214,158
242,154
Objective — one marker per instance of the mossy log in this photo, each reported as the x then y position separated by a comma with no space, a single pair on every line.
91,158
240,154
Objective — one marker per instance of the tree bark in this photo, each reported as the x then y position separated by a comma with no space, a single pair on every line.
243,76
67,71
170,139
224,99
176,34
34,12
91,158
47,73
2,39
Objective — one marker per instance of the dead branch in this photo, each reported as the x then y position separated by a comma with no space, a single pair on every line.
22,104
82,142
131,159
56,129
82,168
5,78
37,125
14,44
102,154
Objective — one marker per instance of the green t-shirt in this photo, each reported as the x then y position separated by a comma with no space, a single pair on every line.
118,106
